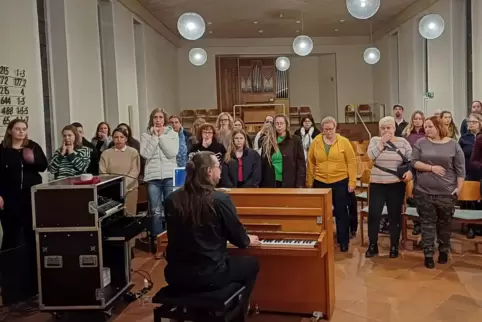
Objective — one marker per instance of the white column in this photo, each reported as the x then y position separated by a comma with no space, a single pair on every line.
477,49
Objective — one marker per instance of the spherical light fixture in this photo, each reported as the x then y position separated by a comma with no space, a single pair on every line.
431,26
282,63
198,56
191,26
371,55
302,45
362,9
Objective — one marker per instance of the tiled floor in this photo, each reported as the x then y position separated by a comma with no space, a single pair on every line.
367,290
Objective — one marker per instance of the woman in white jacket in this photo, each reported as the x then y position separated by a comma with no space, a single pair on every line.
159,147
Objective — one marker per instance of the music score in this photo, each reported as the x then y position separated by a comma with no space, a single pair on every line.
13,98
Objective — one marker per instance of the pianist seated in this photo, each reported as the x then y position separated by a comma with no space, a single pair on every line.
200,223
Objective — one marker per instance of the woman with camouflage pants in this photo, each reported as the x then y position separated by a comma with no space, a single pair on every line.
440,166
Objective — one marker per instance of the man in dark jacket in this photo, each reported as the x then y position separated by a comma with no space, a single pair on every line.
94,156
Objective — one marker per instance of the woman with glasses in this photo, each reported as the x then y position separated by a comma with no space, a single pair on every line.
332,165
224,127
208,141
282,159
242,165
307,132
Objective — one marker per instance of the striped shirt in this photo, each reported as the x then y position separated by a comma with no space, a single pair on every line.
70,165
387,158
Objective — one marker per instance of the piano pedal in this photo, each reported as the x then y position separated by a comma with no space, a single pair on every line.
317,316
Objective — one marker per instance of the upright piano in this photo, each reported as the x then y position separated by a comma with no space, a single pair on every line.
295,227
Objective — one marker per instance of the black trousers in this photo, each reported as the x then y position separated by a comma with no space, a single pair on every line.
340,195
240,269
353,211
18,264
392,195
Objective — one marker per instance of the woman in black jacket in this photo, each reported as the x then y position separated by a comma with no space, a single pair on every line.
242,165
307,132
22,160
207,139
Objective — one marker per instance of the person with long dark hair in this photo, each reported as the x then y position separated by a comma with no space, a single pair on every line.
200,222
71,159
22,160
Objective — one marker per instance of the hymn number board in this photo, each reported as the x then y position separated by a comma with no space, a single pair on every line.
13,99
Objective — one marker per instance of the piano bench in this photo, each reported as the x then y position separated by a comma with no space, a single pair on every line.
221,305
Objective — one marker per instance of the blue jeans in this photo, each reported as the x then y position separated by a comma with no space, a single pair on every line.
157,191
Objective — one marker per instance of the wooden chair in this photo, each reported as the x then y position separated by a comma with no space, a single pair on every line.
364,182
470,192
202,113
188,115
212,114
407,213
294,111
305,110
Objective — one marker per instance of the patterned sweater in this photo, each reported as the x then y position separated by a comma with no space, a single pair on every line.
70,165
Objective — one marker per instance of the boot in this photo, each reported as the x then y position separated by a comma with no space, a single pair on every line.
372,251
393,252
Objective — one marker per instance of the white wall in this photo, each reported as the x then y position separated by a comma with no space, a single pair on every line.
197,85
446,64
21,50
312,82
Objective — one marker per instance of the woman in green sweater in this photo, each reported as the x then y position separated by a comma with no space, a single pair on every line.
71,159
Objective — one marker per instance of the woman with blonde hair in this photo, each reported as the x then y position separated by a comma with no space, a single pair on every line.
391,156
242,165
224,127
448,121
332,165
195,128
414,130
72,159
283,162
123,160
159,147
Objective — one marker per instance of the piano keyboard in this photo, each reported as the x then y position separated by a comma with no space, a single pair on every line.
285,242
288,242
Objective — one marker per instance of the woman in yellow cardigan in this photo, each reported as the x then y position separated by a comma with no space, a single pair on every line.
332,164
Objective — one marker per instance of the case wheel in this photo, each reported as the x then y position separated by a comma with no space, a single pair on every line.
317,316
57,315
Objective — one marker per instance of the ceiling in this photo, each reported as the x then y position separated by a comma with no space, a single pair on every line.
273,18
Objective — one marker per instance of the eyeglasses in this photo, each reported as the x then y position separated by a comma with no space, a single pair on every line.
328,129
280,123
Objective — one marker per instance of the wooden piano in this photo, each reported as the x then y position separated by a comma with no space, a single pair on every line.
296,255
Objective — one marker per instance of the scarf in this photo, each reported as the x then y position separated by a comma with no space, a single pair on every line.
306,139
256,142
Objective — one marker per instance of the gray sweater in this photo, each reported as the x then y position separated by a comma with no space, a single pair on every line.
449,156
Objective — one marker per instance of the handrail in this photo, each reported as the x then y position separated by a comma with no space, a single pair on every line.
363,122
